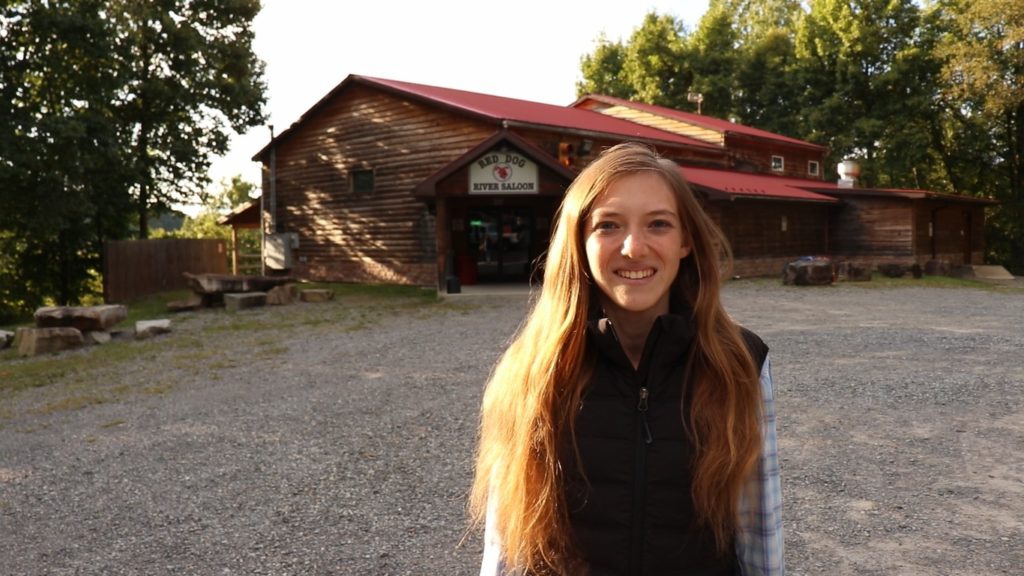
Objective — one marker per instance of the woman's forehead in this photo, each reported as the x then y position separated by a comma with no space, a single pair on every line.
643,192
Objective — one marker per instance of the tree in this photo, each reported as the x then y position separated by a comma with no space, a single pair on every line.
862,69
656,65
983,69
189,75
108,109
713,62
602,70
62,178
753,20
768,85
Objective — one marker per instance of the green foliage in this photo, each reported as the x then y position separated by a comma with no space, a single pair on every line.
205,224
656,63
602,70
109,109
714,61
650,67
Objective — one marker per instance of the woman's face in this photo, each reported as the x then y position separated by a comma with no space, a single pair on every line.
634,241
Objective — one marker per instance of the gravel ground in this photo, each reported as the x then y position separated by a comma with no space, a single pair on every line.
337,438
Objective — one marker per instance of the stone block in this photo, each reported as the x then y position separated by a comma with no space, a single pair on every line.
893,270
234,302
316,295
84,318
147,328
35,341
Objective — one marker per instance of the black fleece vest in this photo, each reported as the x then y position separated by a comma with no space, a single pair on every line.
632,513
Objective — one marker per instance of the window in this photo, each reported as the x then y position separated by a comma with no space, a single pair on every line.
361,181
812,168
778,164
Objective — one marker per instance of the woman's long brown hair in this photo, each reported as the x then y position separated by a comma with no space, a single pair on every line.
527,405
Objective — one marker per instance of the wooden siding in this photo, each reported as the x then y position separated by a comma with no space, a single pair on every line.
953,233
753,155
872,229
387,235
755,233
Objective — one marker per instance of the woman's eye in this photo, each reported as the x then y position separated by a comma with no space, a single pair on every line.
605,225
661,224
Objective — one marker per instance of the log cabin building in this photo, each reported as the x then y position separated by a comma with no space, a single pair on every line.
390,181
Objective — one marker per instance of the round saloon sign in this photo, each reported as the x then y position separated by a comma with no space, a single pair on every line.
503,173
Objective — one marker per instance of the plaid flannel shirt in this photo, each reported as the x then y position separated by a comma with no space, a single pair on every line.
759,543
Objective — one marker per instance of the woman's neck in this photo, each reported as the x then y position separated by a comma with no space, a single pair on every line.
631,330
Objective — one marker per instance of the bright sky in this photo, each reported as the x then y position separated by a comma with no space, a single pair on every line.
528,49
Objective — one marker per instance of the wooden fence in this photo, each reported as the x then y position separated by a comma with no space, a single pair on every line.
136,268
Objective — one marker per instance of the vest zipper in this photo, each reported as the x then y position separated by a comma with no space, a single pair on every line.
641,406
644,439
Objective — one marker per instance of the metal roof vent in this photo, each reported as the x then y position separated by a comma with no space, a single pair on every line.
849,171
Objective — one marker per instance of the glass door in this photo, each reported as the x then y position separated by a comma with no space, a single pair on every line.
501,239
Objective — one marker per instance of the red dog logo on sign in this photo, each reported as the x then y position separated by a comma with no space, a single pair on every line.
502,172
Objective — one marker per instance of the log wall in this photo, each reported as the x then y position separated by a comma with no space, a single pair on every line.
387,235
873,229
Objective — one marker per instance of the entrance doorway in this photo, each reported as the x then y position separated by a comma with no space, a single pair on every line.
501,241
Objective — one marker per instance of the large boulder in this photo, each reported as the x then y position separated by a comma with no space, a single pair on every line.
84,318
809,272
230,283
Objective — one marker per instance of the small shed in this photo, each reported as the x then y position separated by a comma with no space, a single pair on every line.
244,217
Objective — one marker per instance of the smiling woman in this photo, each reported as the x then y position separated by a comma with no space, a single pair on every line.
629,428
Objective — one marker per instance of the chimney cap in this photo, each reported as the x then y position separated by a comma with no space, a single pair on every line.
849,169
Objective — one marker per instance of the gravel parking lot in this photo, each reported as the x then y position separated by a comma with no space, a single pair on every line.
337,438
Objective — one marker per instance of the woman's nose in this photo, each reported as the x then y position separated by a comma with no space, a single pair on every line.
633,245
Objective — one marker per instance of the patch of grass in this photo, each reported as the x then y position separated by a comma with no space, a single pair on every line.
152,307
879,281
157,389
70,403
112,423
355,307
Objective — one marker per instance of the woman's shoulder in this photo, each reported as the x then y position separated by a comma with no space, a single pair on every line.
756,346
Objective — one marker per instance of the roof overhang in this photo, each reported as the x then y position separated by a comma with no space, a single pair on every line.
904,193
428,188
244,216
730,185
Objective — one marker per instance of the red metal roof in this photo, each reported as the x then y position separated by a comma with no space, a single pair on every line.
507,112
909,193
708,122
745,184
512,110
